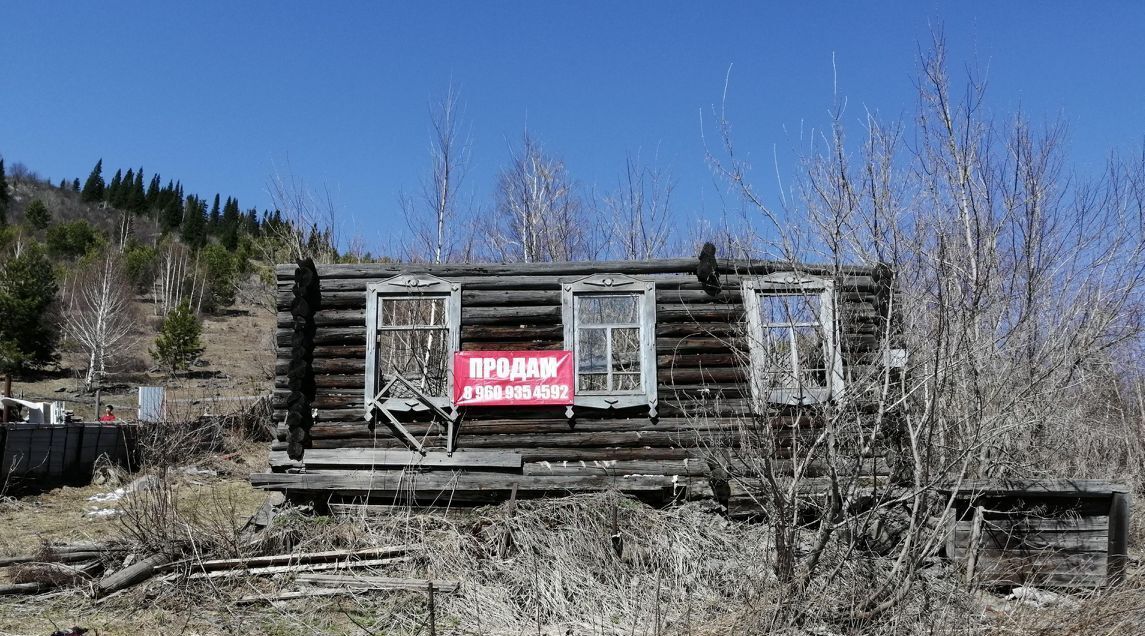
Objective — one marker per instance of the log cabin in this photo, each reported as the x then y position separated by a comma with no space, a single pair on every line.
471,383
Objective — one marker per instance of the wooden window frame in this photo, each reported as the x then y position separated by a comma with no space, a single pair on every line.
790,284
614,285
413,286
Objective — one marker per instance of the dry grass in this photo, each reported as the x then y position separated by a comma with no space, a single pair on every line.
554,566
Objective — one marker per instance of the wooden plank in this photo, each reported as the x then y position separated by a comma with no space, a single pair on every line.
379,582
1118,548
1022,487
690,467
271,570
392,458
385,483
298,558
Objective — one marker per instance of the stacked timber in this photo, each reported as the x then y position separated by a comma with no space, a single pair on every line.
702,386
306,301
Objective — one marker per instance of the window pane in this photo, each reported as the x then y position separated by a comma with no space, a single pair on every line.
595,310
812,363
591,352
626,382
778,367
397,312
787,309
592,382
418,355
626,350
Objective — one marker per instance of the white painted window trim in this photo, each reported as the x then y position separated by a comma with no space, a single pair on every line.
411,286
793,284
619,285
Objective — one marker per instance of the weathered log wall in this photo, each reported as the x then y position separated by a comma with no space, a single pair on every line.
703,389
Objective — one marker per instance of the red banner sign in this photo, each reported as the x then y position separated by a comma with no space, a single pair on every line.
507,378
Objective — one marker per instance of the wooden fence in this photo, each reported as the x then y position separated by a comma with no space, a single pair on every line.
62,452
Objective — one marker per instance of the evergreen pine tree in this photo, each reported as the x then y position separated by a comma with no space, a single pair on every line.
177,345
151,198
93,188
37,215
136,197
114,188
230,225
76,185
194,226
213,220
171,216
3,195
252,226
63,184
27,290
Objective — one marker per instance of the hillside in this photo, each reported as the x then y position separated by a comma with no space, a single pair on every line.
237,326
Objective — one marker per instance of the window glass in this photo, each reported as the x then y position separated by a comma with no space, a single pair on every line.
612,309
418,355
790,343
396,312
608,346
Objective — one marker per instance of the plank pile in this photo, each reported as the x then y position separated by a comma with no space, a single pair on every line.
323,573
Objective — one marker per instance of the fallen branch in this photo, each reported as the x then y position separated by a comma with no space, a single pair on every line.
135,573
286,569
24,588
379,582
293,559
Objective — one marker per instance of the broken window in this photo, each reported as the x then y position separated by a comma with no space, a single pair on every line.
791,335
415,326
610,326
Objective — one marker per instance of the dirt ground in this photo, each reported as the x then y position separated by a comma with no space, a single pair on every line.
237,360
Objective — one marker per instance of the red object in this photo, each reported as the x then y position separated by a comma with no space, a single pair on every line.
107,418
508,378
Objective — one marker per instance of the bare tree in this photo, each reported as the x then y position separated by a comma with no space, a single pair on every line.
637,212
178,279
434,215
1017,293
101,316
308,228
538,214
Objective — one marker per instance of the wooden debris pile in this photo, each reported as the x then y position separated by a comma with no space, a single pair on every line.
93,567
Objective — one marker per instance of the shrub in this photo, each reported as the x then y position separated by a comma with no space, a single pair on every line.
73,240
37,215
177,345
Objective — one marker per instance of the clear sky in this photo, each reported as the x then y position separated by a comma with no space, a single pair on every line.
223,94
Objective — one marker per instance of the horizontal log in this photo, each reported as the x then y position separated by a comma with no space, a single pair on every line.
536,425
387,483
684,266
390,458
511,334
695,468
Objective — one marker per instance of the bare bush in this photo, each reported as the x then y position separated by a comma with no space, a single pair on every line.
1017,293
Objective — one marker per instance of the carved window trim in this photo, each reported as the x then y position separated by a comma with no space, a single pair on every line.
792,284
614,285
412,286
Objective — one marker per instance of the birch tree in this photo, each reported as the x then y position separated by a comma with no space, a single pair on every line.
637,212
100,316
538,215
434,215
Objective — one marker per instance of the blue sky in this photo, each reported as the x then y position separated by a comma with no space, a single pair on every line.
223,94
